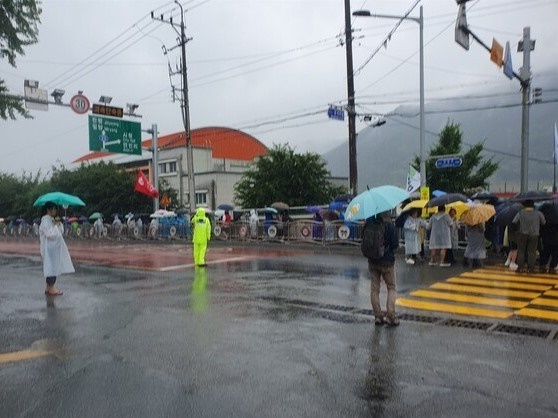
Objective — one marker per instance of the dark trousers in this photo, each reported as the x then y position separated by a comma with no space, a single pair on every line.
527,244
549,253
51,280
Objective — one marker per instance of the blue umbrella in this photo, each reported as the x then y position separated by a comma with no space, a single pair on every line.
438,193
313,209
376,200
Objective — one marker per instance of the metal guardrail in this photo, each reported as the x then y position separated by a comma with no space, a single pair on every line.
298,230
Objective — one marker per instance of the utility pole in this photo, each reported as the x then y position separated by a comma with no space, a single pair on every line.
185,106
353,174
526,45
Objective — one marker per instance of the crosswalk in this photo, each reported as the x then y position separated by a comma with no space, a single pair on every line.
491,292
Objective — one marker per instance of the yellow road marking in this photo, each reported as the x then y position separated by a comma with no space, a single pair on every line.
496,283
220,261
485,290
22,355
538,313
551,293
507,271
506,303
511,277
444,307
545,302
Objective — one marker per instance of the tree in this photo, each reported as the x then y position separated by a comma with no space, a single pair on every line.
18,29
473,173
282,175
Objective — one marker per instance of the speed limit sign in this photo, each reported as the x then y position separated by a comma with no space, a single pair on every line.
80,104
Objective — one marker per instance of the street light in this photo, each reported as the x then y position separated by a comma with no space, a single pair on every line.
420,21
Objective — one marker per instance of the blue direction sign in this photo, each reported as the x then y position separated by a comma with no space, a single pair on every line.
114,135
449,162
335,112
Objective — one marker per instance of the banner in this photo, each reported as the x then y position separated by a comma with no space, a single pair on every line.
143,186
555,144
413,179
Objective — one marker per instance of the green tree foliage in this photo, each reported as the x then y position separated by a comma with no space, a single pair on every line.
18,29
282,175
17,195
473,173
104,187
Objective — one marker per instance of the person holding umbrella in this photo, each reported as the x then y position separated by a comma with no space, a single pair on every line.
440,236
55,255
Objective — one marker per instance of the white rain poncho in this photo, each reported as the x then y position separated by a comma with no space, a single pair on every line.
56,258
440,231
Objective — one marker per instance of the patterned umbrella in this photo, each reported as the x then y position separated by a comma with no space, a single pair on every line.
478,214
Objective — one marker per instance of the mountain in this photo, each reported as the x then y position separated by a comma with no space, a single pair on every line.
492,116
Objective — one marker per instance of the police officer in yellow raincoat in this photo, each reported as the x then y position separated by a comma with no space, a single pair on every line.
202,234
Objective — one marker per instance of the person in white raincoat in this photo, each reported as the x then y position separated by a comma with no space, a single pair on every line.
254,221
55,255
440,236
412,240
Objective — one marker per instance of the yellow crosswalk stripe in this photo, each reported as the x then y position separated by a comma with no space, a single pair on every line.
22,355
538,313
545,302
551,293
502,284
507,271
456,309
485,290
510,277
479,300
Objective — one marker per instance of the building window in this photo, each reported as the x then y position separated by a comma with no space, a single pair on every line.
201,198
172,167
168,168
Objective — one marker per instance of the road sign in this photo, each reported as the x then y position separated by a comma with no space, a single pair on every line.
450,162
80,104
116,112
336,112
114,135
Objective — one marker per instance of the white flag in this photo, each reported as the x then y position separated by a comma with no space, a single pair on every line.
555,144
413,179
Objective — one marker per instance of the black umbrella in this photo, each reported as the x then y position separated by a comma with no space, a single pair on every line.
550,211
225,206
446,199
531,195
506,212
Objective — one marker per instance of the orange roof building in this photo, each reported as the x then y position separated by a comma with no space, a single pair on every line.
221,155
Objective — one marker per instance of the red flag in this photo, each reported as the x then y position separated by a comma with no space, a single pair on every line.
143,186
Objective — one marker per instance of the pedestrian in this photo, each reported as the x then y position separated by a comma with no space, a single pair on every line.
411,229
254,222
383,268
117,226
530,221
510,242
98,227
440,236
450,255
549,253
476,250
202,234
55,255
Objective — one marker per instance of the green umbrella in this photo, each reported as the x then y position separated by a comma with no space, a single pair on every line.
95,215
59,198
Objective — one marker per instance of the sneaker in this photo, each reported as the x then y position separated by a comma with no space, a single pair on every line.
432,263
410,261
445,264
391,320
513,267
507,263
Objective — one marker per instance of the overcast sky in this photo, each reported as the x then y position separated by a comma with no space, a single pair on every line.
267,67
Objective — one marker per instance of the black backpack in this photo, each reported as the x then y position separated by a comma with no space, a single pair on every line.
373,241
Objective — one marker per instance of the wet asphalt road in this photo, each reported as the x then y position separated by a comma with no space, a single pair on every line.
260,332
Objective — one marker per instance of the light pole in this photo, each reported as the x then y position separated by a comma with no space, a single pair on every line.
420,21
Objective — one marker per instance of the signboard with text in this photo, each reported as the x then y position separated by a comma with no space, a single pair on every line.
450,162
114,135
105,110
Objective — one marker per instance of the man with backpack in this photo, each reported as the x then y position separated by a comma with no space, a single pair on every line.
379,241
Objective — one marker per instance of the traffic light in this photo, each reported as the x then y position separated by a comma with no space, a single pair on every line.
537,95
